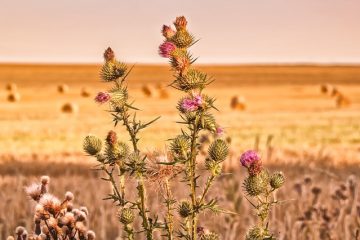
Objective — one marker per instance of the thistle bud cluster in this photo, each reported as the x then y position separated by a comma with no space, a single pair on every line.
54,218
260,185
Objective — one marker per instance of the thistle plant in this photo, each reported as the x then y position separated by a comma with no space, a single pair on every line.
54,219
195,112
260,185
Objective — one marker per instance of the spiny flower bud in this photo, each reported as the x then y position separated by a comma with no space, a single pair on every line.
92,145
255,233
109,54
193,79
180,145
209,236
208,122
184,209
126,216
166,49
167,32
255,185
277,180
218,150
111,138
213,166
112,70
118,97
118,151
180,23
182,39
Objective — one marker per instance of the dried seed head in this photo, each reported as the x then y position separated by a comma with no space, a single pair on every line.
109,54
34,191
69,207
111,138
167,32
90,235
218,150
277,180
180,23
45,180
126,216
19,230
184,209
84,210
10,238
256,233
50,203
92,145
69,196
80,226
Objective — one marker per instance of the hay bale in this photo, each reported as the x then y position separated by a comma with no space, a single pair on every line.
14,97
11,87
63,88
163,92
146,90
85,92
342,101
325,88
238,103
335,92
70,108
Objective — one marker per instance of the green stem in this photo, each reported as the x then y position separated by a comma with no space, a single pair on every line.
209,181
129,231
169,216
193,180
142,209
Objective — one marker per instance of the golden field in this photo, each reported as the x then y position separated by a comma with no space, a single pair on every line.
297,129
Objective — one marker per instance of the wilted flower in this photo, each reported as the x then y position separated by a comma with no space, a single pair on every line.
109,54
167,32
248,158
102,97
111,138
50,202
34,191
166,48
180,23
219,131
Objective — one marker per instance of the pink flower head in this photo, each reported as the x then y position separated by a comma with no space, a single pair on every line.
166,49
248,158
167,32
191,104
219,131
102,97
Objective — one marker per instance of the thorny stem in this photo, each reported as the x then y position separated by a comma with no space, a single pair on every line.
209,181
129,231
112,180
169,217
192,179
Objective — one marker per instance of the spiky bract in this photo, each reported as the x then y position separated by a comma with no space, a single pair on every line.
277,180
180,145
92,145
126,216
193,79
182,39
256,184
184,209
209,236
112,70
218,150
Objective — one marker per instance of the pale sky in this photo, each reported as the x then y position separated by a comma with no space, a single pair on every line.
230,31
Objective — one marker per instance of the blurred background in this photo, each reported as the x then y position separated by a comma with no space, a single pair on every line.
287,83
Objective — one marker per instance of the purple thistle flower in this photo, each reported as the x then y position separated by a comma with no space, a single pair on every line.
248,158
166,48
219,131
191,104
102,97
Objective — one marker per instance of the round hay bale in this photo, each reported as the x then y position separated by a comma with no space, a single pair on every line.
325,88
14,97
70,108
63,88
85,92
342,101
335,92
238,103
11,87
146,90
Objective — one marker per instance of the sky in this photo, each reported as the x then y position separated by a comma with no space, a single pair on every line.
230,31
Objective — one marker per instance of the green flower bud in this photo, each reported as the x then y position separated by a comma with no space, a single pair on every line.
182,39
180,145
193,79
208,122
118,97
277,180
255,233
255,185
184,209
209,236
213,166
218,150
92,145
118,151
126,216
112,70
